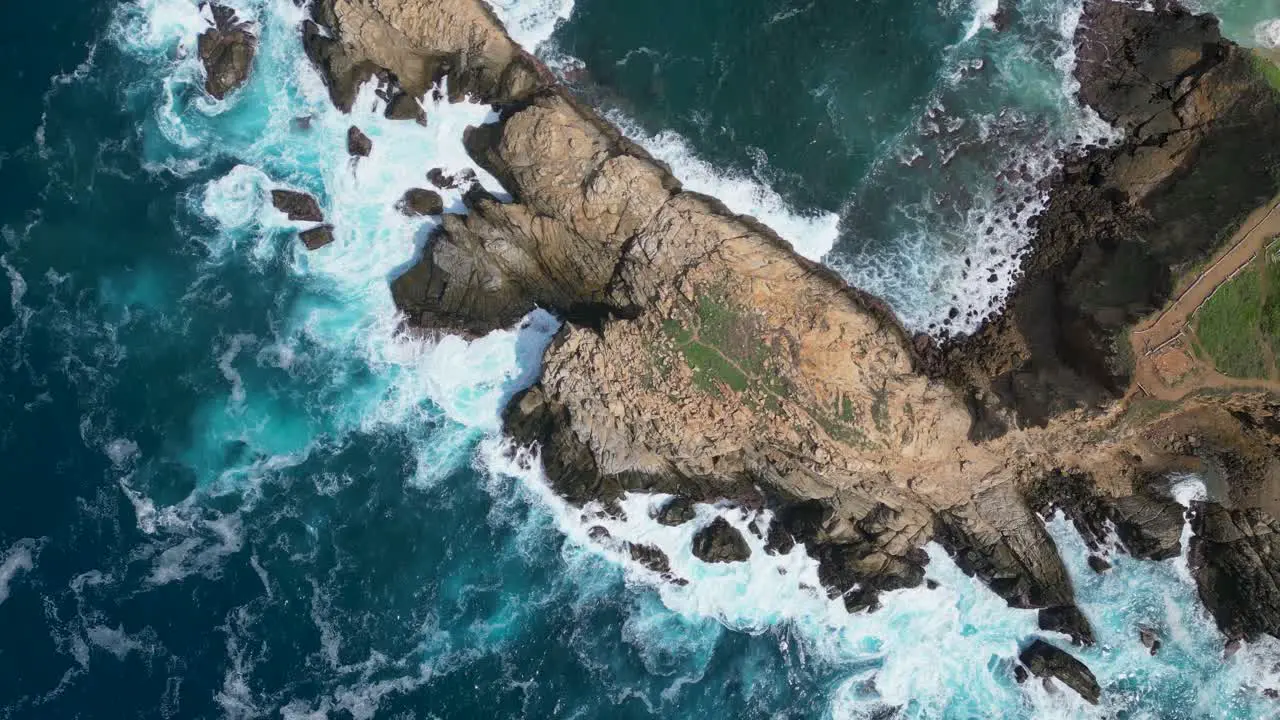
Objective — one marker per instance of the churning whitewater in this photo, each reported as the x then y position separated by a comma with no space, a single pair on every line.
292,507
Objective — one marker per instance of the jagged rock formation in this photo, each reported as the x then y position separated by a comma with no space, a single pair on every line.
358,144
297,206
701,357
1197,154
226,50
1235,556
720,542
1048,661
410,46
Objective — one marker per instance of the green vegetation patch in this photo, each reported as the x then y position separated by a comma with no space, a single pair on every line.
1228,325
1265,67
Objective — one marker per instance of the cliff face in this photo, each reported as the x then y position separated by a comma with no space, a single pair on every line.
701,357
1197,154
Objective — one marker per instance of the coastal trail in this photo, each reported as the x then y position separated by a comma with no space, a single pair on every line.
1165,366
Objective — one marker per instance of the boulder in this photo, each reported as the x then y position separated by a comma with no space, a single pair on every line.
358,144
650,556
1048,661
720,542
317,237
441,180
1067,619
1098,564
297,206
1235,559
677,511
417,201
226,50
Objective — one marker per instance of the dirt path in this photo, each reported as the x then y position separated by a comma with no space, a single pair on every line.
1161,346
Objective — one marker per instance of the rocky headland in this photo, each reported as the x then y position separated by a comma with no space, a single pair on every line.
700,356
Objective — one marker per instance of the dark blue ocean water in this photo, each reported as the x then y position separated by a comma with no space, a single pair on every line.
231,488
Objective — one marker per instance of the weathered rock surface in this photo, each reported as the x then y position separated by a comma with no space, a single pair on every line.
1067,619
1048,661
1197,155
419,201
650,557
415,44
297,206
1235,558
677,511
720,542
226,50
358,144
317,237
701,357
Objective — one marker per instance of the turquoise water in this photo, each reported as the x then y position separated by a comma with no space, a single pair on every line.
233,489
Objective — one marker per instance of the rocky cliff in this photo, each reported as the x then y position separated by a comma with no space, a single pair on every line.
700,356
1197,153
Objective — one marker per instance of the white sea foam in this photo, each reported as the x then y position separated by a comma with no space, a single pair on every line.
18,559
812,235
531,22
984,14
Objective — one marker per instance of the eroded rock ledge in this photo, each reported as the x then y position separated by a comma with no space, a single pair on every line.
700,356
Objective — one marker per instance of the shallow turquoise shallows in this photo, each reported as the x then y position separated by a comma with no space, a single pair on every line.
232,487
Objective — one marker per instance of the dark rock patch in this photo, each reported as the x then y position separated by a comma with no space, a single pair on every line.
650,557
358,144
1235,558
317,237
677,511
1098,564
720,542
226,50
297,206
1048,661
1067,619
440,179
417,202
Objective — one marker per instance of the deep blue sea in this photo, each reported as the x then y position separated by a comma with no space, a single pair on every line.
231,487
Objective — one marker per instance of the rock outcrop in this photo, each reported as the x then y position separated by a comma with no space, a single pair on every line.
720,542
1235,558
297,206
316,237
226,50
1048,661
419,201
1197,153
358,144
701,357
408,46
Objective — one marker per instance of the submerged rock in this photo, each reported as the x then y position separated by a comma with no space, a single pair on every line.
297,206
1067,619
1150,640
358,144
226,50
1048,661
317,237
720,542
418,201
